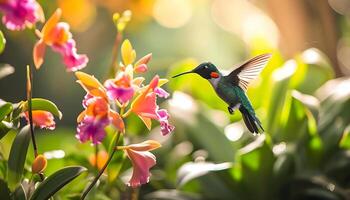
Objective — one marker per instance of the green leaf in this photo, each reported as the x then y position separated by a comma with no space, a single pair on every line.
281,80
17,156
165,194
257,160
4,190
43,104
19,193
192,170
345,140
201,134
117,161
56,181
5,127
2,42
5,70
5,109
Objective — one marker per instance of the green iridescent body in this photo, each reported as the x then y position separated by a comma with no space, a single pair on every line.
232,94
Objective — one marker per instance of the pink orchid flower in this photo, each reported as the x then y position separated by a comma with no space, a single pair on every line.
145,106
19,14
121,88
42,119
97,114
57,35
142,160
94,119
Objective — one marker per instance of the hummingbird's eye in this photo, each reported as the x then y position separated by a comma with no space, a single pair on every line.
205,67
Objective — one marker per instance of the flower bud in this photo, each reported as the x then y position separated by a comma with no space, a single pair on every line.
141,68
144,60
39,164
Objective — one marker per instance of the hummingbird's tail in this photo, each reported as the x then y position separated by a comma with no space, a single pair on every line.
251,121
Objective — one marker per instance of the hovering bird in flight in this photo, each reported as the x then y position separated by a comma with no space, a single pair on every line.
232,88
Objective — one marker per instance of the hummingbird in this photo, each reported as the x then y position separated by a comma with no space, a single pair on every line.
232,87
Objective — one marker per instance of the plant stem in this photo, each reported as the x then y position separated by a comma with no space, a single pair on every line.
114,65
96,156
105,165
102,170
30,114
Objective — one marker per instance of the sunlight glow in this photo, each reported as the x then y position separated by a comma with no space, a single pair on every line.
172,13
311,56
258,142
55,154
280,148
182,102
285,71
243,18
234,131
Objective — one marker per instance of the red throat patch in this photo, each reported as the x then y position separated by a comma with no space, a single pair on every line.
214,75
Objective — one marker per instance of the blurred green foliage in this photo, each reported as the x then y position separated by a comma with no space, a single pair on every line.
304,153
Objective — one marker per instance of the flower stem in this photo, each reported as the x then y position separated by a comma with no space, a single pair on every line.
101,171
96,156
114,65
30,114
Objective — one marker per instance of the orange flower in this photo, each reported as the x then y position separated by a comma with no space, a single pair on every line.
57,35
142,160
97,114
42,119
145,106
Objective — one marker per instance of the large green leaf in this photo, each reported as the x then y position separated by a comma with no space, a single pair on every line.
56,181
256,160
4,190
2,42
19,193
17,156
205,134
5,109
43,104
281,79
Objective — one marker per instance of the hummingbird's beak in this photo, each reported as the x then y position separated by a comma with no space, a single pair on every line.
182,74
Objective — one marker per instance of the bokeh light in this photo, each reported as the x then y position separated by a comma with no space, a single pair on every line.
172,13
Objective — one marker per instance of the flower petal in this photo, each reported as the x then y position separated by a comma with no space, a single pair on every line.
71,59
19,14
93,129
117,121
91,84
50,25
147,145
122,94
147,121
141,68
144,60
161,92
142,161
38,53
145,106
42,119
128,53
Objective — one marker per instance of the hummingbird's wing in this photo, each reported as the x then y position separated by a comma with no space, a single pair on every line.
248,71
